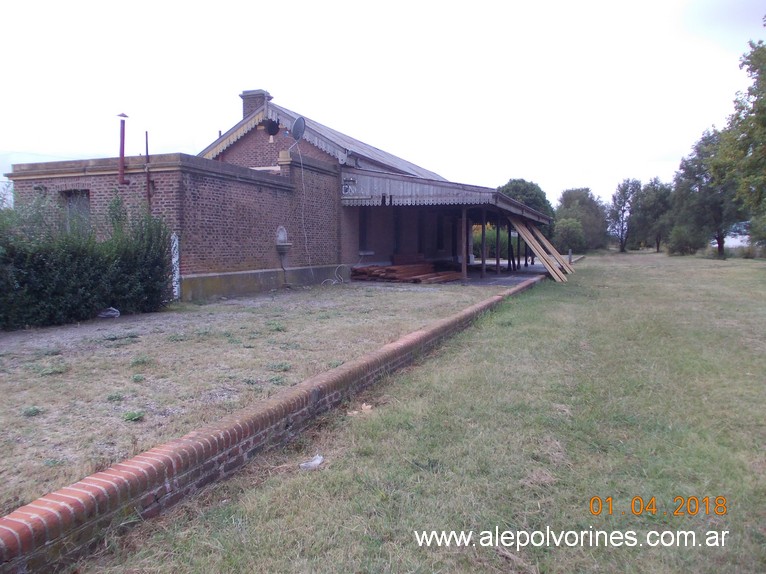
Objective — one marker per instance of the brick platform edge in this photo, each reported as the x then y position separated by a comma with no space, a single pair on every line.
52,531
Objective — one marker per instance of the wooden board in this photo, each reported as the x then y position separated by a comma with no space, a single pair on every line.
550,264
551,249
416,273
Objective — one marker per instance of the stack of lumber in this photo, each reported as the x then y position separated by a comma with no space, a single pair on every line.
417,273
407,258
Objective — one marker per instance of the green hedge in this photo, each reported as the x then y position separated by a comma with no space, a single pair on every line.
54,271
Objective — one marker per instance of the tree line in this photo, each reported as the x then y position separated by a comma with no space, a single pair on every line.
718,190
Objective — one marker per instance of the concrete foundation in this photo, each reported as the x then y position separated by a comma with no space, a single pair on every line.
207,286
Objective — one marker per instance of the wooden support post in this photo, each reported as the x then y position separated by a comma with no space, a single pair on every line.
511,252
497,245
483,243
518,251
464,245
454,239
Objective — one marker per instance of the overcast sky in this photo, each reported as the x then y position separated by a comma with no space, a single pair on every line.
562,93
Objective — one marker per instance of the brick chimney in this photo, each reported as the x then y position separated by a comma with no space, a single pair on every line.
252,100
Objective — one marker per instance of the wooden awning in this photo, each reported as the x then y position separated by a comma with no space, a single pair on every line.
364,188
376,189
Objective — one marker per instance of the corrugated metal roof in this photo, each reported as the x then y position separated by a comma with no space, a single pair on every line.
371,174
344,148
368,188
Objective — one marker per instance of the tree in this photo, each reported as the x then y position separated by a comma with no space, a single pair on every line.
531,195
685,239
744,140
6,194
651,215
706,191
580,204
618,213
745,136
569,235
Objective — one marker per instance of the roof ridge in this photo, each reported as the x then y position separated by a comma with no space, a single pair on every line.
329,140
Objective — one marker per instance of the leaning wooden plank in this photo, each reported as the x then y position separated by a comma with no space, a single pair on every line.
551,249
538,250
550,263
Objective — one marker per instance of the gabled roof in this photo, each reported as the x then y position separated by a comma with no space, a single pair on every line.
347,150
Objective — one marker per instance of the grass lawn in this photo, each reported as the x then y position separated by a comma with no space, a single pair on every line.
643,376
79,398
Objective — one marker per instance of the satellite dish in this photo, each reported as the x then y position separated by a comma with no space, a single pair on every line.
299,126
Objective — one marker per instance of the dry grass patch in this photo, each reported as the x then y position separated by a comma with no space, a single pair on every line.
632,379
79,398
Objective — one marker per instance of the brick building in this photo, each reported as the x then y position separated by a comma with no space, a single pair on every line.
267,204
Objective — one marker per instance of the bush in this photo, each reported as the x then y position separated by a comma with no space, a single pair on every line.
139,270
685,240
54,271
569,235
490,239
758,230
750,251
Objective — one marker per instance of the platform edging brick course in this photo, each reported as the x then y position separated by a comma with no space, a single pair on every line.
48,533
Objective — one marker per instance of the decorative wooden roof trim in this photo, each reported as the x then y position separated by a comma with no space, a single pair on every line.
374,189
233,135
276,113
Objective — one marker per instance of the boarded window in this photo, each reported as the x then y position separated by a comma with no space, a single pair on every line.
76,207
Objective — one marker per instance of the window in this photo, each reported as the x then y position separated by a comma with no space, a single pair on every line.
76,207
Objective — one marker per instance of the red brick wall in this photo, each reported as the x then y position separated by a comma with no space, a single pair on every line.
380,233
349,238
166,198
102,190
232,225
254,149
226,216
